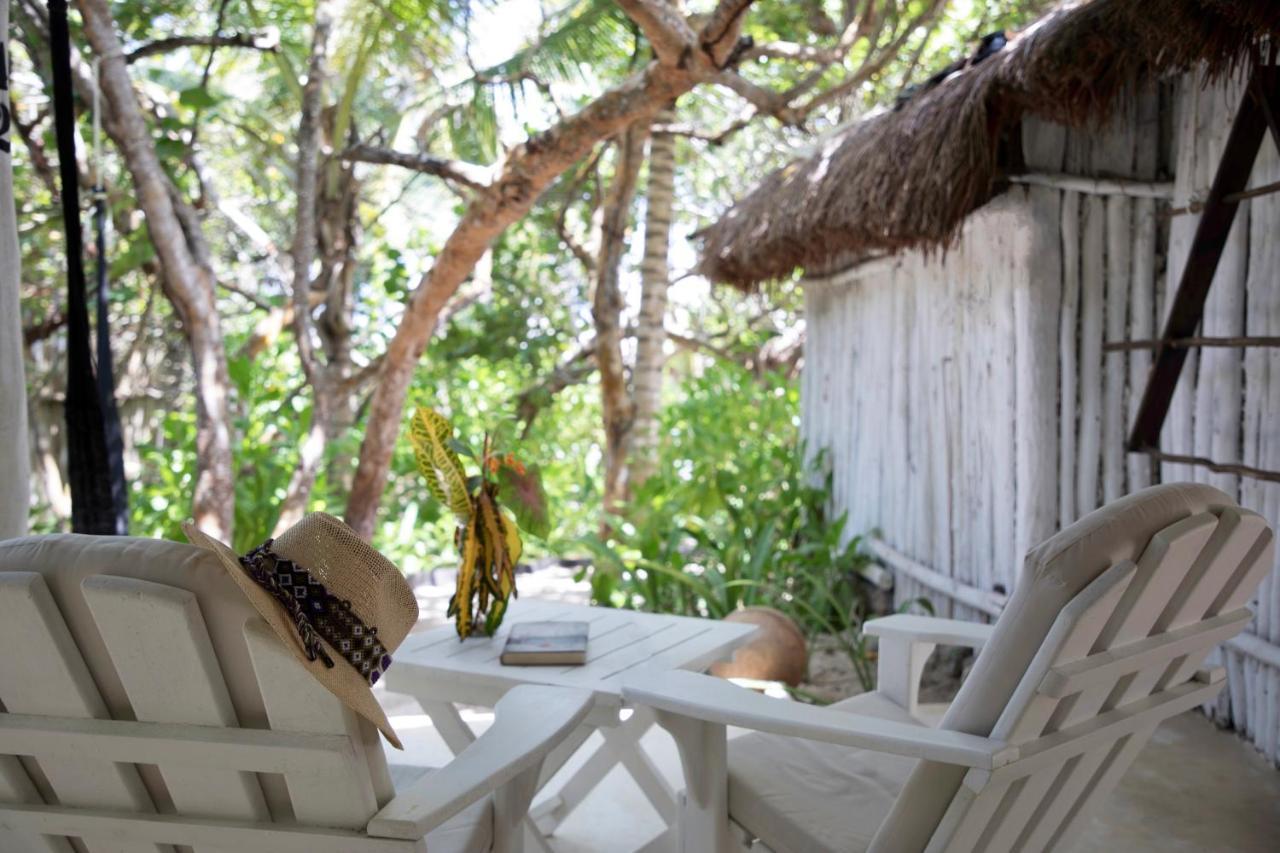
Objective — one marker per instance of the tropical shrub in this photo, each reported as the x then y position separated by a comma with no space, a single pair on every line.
736,516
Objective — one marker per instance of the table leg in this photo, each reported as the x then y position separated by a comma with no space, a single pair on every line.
457,735
454,731
621,746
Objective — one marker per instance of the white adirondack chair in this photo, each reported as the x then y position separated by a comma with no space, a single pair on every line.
1102,640
147,705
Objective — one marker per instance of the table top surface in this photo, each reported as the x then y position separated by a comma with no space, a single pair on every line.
618,641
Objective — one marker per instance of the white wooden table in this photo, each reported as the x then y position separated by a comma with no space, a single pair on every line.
441,673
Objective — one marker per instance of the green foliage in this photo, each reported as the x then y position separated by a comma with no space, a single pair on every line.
733,518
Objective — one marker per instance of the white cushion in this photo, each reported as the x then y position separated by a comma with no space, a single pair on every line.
802,796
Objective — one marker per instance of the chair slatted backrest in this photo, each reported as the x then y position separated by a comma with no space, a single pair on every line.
1123,655
154,632
1103,636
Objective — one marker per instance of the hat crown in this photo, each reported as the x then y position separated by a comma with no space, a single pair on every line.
351,569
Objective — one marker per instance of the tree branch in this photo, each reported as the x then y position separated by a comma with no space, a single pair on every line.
667,32
264,42
764,100
573,369
467,174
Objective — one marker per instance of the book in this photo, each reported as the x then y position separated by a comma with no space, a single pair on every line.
546,644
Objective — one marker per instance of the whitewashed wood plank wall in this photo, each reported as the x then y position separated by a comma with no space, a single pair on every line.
965,402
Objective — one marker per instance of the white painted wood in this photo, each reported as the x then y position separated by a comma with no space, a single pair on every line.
720,702
1142,313
1068,359
125,741
17,787
199,833
439,671
530,721
929,629
703,822
1092,309
341,795
156,643
621,746
1082,710
1105,668
1115,424
1035,509
161,650
49,678
436,667
1053,749
900,663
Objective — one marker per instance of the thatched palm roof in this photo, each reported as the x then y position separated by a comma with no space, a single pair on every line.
907,179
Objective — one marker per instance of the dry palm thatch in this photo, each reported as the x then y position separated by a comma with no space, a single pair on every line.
907,179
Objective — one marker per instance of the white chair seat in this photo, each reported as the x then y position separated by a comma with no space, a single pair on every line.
802,796
470,831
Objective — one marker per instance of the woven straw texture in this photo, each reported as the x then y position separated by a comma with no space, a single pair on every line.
907,179
350,569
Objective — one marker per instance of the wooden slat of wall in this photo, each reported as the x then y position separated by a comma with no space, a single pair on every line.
1068,359
1092,309
1194,117
1037,307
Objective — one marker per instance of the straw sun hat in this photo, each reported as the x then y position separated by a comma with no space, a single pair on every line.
335,602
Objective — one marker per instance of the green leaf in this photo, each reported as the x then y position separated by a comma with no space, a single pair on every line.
198,98
525,496
430,433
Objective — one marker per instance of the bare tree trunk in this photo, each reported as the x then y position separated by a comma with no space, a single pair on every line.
526,172
188,284
655,276
304,252
606,311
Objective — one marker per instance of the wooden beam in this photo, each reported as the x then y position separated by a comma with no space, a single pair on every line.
1253,192
1206,251
1255,341
1096,186
991,603
1216,467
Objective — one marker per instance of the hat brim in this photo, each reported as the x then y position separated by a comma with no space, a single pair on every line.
341,679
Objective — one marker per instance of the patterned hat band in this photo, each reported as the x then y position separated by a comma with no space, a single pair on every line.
318,614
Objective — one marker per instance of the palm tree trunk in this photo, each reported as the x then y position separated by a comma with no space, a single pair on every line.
655,277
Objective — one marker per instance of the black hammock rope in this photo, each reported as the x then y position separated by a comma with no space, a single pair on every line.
95,458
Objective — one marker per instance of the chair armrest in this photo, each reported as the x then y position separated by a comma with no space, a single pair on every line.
714,700
529,722
930,629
